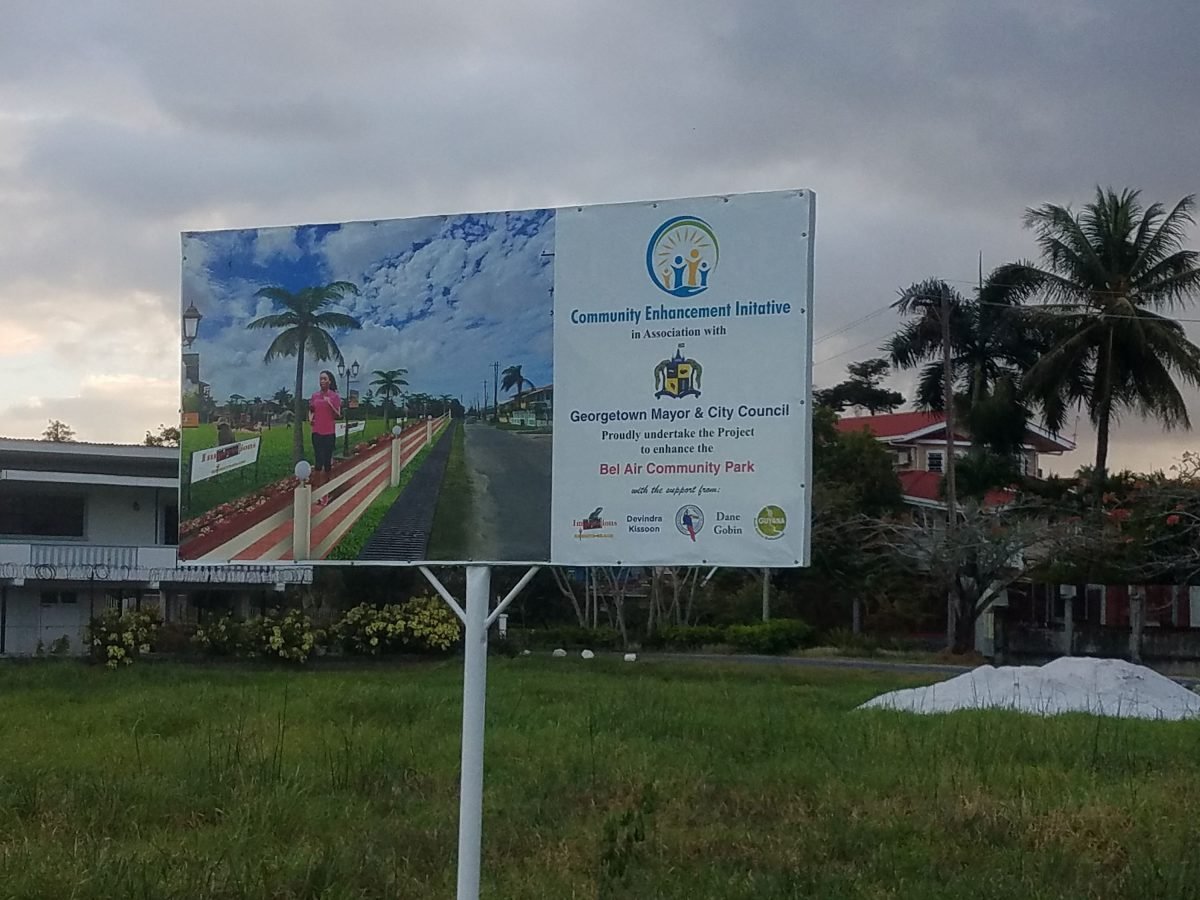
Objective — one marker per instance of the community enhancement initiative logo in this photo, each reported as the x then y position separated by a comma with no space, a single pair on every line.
689,520
682,255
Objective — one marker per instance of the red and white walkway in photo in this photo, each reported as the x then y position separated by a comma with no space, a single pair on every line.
355,484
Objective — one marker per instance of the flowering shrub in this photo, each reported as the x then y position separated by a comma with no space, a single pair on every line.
370,631
221,636
289,638
431,624
115,638
422,625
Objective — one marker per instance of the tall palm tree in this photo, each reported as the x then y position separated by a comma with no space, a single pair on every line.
936,307
305,329
390,383
1108,274
512,378
991,347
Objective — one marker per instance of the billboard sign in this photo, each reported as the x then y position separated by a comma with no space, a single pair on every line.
224,458
619,384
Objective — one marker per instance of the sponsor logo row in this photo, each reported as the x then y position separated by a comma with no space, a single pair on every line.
689,521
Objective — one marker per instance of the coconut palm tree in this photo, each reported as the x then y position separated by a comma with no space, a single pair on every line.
991,347
390,382
512,378
305,329
1108,275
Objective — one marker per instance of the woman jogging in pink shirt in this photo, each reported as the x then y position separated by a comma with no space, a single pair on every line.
325,408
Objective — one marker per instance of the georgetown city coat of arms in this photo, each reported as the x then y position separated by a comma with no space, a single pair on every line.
677,377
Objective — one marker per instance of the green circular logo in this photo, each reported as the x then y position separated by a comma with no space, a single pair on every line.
771,522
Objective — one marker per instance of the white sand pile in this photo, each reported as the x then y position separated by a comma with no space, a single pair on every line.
1105,687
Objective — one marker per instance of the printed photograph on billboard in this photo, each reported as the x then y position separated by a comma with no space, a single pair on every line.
374,391
619,384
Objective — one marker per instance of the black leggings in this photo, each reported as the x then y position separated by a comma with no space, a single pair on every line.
323,445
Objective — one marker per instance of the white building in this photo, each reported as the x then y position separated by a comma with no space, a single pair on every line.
85,527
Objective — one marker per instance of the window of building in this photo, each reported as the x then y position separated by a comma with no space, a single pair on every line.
29,515
934,460
170,535
55,598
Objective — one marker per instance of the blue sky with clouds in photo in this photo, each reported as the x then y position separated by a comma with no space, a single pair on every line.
441,296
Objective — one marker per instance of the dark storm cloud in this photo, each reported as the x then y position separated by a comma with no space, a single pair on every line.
926,129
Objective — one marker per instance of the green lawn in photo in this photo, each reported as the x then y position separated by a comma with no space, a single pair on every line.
603,779
451,521
274,462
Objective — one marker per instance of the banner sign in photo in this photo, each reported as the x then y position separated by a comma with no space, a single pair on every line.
225,458
624,384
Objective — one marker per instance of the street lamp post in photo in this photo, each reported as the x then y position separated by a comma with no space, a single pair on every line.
348,374
191,323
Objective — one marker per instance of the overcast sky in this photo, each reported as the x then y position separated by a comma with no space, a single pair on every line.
926,129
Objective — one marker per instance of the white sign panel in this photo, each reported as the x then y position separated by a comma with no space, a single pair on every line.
339,429
225,458
682,419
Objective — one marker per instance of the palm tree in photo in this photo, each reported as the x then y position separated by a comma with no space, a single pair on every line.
512,378
306,328
235,404
283,400
420,402
1108,275
390,383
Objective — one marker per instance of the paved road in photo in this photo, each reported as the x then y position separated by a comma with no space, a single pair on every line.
510,480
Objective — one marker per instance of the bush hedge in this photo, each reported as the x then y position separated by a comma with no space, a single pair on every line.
776,636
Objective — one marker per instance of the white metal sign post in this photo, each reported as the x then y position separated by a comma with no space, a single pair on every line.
476,621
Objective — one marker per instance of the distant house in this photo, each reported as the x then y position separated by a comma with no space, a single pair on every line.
88,527
917,441
534,408
1040,621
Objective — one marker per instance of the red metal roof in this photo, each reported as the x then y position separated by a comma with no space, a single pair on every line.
928,486
892,426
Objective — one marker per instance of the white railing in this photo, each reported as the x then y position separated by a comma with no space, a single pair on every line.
72,555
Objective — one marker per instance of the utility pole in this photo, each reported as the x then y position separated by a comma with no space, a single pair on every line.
948,465
948,404
483,406
496,391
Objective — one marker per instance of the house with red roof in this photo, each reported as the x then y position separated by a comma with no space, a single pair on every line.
918,443
1032,621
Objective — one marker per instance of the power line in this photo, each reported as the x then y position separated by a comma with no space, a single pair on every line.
849,350
850,325
1021,308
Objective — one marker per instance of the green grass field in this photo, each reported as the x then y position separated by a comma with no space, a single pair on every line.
450,534
603,779
274,463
